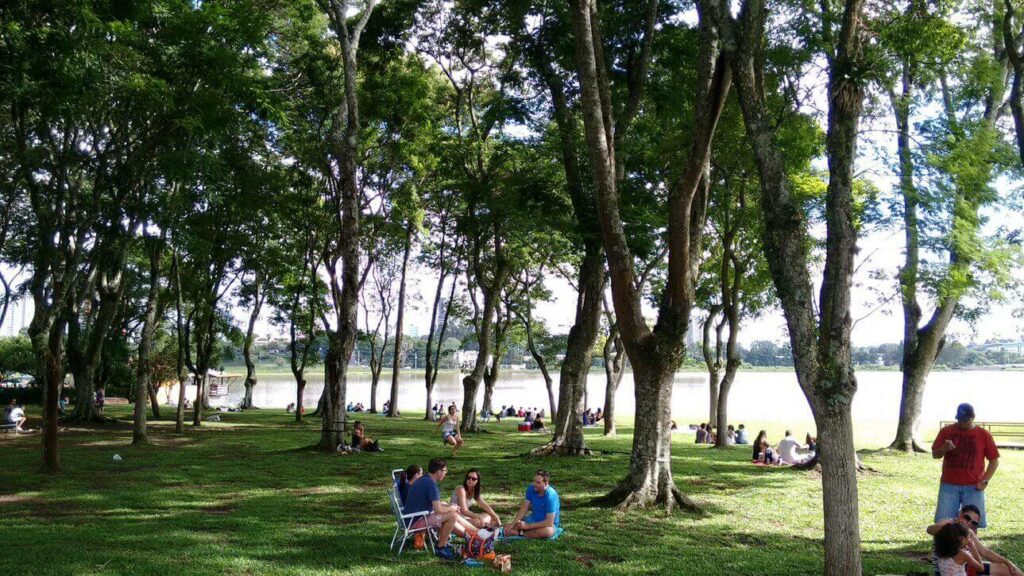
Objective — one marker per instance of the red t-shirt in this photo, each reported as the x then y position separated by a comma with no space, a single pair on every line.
965,465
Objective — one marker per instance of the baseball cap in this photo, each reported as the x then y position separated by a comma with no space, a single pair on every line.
964,412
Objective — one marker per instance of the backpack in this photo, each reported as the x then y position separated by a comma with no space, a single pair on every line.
478,547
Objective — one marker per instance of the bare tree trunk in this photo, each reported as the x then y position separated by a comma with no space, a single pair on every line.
712,358
471,382
258,297
396,365
144,369
434,357
568,438
179,422
300,389
614,360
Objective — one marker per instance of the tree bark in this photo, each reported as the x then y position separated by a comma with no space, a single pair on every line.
614,358
258,297
433,359
179,420
821,347
654,355
491,291
396,365
144,368
344,146
712,359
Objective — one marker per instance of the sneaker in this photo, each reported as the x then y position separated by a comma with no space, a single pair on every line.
447,553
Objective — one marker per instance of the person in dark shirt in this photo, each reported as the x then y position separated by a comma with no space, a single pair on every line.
425,496
409,475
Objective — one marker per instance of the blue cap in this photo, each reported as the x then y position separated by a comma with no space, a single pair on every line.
964,412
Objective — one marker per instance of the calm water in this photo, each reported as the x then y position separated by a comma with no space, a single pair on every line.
765,397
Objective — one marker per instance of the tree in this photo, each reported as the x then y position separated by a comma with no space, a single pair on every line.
654,353
944,187
819,335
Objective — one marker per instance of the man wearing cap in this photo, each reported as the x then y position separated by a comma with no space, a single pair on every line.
964,448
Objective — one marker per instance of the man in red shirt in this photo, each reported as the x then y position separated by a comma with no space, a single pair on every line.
964,448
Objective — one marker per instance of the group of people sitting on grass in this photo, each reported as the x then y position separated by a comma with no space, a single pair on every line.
355,407
15,414
788,451
707,434
959,551
537,517
591,417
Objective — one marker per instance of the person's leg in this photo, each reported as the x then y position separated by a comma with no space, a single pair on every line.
971,495
447,524
546,532
948,505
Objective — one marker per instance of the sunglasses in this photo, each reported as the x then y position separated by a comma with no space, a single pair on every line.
971,521
474,478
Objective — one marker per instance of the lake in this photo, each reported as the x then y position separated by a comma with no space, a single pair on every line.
763,399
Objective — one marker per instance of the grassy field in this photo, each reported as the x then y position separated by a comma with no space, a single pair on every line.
248,495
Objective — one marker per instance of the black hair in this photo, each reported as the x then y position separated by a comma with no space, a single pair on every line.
411,472
475,492
949,540
970,508
544,474
437,464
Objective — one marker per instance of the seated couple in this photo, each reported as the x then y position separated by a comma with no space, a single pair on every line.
958,551
423,493
787,452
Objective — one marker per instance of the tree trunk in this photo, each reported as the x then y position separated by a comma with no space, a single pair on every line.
250,336
154,399
179,421
86,350
433,360
568,438
649,481
396,365
712,359
300,388
334,417
613,371
144,369
839,490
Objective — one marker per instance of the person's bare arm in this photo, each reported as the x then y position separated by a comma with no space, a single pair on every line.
487,508
934,528
441,507
990,471
972,557
946,448
985,553
521,514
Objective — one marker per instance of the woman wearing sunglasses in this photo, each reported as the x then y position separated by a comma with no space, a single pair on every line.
470,490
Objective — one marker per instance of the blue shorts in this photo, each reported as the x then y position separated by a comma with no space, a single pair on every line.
952,497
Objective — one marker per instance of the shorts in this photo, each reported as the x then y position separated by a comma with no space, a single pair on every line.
446,434
432,520
952,497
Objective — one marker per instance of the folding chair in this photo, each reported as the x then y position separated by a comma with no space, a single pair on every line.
405,524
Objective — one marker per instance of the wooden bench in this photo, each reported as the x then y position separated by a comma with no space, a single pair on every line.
1001,429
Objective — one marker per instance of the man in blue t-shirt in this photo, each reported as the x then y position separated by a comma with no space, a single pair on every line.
544,506
425,495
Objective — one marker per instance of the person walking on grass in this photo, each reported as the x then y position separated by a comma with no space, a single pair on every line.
544,506
425,496
449,426
992,563
963,448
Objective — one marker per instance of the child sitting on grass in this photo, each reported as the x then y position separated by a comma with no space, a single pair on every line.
954,551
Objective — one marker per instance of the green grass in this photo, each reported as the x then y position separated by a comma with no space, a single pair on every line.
249,496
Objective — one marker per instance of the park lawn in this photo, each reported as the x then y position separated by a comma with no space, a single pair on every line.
249,495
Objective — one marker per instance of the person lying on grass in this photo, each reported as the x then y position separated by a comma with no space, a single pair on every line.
954,551
544,506
449,426
425,496
994,565
472,491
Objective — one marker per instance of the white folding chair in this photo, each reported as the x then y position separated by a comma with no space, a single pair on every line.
405,524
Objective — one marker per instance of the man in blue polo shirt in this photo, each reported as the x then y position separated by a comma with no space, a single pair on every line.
544,506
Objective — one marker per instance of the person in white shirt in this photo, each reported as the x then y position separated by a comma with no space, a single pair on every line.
788,450
15,414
